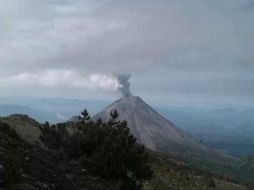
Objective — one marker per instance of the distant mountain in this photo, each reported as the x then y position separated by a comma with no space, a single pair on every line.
50,109
146,124
156,132
40,115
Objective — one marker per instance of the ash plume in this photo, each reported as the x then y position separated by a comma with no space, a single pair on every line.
124,85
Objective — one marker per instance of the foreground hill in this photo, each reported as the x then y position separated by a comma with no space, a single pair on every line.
170,173
28,165
26,127
29,131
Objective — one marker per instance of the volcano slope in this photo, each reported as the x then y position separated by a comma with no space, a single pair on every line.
159,134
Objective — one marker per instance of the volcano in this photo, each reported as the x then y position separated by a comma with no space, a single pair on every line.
151,129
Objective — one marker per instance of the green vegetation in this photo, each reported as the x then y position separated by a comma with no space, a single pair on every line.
53,137
95,156
104,149
11,157
173,174
26,127
224,185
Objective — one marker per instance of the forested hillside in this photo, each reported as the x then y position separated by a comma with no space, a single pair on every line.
93,156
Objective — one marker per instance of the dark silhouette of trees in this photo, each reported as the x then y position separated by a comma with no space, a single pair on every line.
53,136
106,149
12,157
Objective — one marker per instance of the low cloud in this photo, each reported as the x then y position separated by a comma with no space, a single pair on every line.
63,78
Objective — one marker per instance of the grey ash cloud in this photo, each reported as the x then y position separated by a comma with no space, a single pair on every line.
124,87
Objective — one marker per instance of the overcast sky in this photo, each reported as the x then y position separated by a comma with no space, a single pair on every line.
178,52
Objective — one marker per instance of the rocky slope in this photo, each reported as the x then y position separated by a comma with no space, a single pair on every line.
156,132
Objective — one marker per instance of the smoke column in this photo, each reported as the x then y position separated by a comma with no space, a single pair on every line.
124,86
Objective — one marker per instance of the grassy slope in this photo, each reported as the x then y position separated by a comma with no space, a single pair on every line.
170,173
27,128
223,185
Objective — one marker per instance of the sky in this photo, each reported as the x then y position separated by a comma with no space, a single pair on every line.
177,52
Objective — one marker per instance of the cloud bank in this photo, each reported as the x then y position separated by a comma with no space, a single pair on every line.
173,49
64,78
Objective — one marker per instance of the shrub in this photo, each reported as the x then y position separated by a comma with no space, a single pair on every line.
54,136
